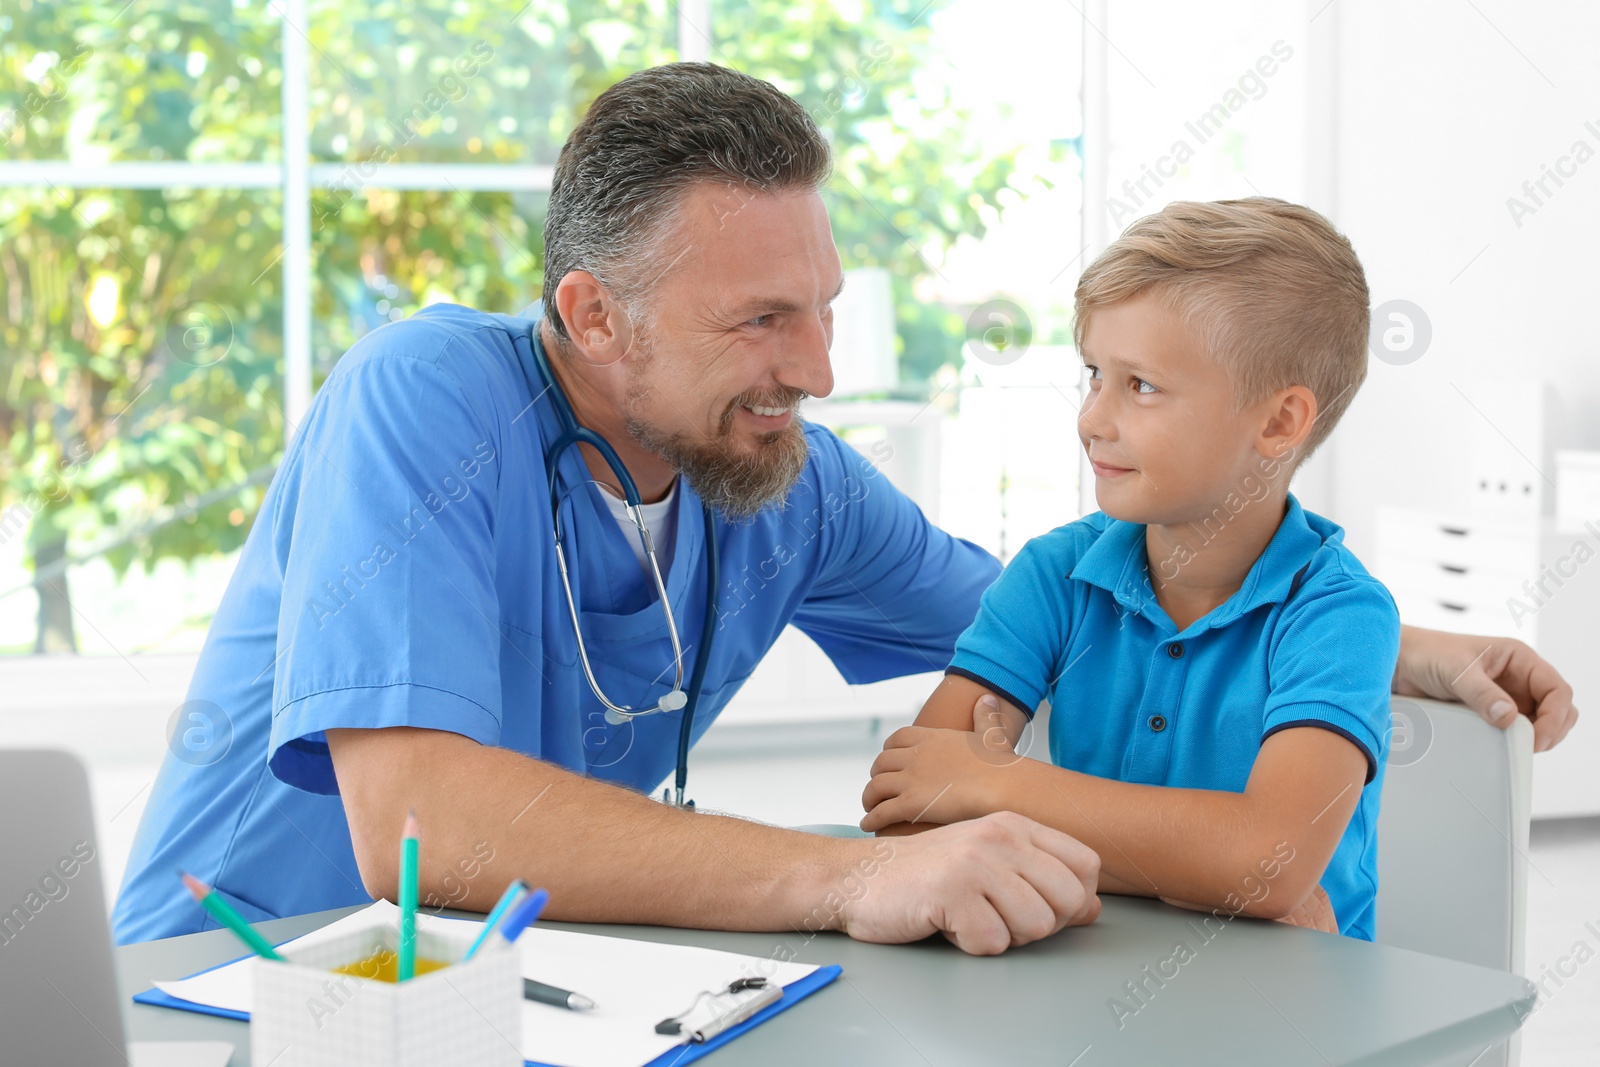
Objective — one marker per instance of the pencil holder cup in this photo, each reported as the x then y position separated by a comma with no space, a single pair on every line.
310,1011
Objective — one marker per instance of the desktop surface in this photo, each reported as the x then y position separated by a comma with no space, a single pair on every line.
1240,992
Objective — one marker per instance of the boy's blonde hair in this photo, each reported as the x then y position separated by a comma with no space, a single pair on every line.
1274,291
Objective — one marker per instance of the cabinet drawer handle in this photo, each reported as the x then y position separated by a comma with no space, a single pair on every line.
1452,607
1454,531
1452,568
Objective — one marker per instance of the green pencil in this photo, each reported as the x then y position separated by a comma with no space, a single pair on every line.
221,911
408,900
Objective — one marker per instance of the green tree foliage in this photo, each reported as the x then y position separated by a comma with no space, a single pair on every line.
139,368
140,330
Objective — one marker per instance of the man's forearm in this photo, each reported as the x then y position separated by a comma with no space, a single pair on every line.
605,853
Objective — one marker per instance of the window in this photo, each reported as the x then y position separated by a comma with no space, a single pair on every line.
203,206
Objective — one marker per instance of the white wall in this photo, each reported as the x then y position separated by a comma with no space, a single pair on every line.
1444,109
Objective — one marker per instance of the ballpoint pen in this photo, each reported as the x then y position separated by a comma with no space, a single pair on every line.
541,993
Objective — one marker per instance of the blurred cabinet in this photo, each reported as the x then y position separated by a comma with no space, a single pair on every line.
1530,578
796,682
1454,573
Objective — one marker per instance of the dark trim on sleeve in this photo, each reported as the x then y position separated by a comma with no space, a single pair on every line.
1372,763
960,672
1294,586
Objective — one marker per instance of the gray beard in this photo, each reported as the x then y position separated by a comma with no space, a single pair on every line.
737,487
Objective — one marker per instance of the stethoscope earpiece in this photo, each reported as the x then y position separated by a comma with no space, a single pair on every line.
676,700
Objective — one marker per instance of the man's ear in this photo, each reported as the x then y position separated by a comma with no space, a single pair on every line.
1291,416
598,329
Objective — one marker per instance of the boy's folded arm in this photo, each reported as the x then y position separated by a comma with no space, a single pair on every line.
958,703
1208,846
1205,846
1323,723
1028,652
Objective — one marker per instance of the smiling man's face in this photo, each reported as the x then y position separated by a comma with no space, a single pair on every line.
741,324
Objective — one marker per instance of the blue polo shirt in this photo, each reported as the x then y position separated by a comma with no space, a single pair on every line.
401,572
1309,639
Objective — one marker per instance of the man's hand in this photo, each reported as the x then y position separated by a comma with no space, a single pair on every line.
986,885
1498,677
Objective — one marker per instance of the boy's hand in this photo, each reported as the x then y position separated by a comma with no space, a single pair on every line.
928,774
996,727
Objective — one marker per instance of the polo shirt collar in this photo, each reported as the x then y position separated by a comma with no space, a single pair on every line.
1117,563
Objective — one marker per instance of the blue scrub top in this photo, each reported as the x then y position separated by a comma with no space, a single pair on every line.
1309,639
401,573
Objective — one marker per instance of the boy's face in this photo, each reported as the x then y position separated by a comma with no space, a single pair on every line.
1161,425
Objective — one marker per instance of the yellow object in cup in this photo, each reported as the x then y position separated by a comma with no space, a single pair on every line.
384,966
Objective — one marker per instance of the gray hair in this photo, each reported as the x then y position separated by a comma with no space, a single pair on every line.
641,145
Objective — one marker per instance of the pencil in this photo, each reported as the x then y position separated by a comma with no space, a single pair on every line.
408,900
221,911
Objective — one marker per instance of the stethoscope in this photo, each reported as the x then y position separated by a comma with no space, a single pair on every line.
678,698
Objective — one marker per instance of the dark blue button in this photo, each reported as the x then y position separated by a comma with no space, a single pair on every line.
1175,650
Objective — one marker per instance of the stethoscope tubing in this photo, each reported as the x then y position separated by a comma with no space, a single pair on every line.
573,434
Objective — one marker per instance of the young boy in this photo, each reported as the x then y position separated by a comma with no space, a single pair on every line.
1217,663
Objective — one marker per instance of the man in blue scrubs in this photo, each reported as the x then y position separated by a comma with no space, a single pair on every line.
397,637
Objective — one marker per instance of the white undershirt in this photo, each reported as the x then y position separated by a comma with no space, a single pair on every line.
658,519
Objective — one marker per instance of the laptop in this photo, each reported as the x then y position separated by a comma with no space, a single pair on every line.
59,1001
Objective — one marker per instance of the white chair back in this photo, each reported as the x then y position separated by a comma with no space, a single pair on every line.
1453,839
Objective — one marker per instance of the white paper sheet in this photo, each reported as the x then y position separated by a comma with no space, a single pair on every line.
634,984
179,1053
